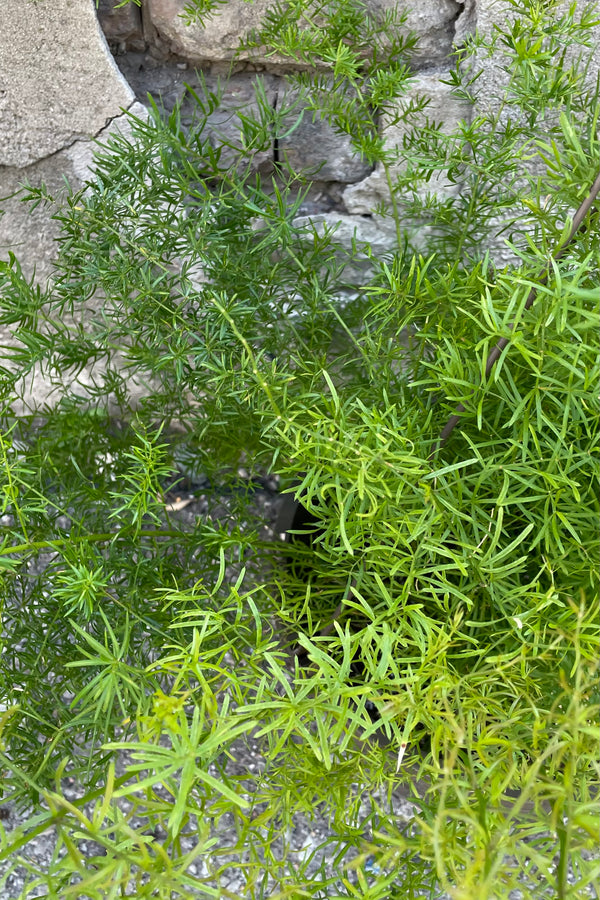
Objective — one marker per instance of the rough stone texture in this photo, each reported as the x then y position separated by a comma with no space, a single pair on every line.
79,156
59,89
218,40
375,233
489,87
165,80
168,83
315,146
444,109
57,80
30,233
223,126
121,24
432,20
493,77
466,23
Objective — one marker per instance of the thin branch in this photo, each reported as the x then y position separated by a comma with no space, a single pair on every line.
542,279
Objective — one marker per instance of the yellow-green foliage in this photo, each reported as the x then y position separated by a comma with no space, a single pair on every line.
461,580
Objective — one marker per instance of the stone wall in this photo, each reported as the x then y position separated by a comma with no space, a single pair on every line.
60,89
69,71
158,53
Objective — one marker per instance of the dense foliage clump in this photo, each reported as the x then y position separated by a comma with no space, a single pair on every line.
437,636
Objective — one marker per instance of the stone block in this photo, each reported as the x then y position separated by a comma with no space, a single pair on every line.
489,96
223,126
59,89
444,109
494,76
432,20
31,235
218,40
376,234
58,81
122,24
315,146
466,23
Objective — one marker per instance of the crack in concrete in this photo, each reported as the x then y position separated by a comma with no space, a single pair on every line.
94,137
111,119
77,139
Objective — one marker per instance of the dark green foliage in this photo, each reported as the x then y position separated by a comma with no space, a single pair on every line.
439,637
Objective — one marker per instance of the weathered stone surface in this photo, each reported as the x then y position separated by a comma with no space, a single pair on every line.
80,155
377,232
315,146
121,24
432,20
59,89
489,94
466,23
218,40
223,126
444,109
58,81
164,80
31,234
168,82
28,233
375,235
493,78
